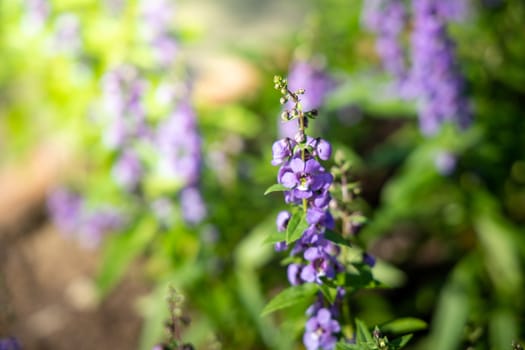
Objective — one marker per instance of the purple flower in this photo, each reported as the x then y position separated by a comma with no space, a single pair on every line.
368,259
282,220
321,330
71,215
192,205
128,171
304,177
294,270
282,150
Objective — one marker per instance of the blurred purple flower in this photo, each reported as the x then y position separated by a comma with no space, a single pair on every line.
69,212
123,91
179,145
127,171
388,19
435,78
192,205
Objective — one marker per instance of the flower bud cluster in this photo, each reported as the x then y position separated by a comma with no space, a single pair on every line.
308,183
303,76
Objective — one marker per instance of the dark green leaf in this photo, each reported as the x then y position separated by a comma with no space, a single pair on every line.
329,293
275,188
400,342
336,238
290,296
363,335
296,227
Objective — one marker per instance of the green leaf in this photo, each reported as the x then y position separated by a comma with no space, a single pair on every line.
329,293
346,346
274,238
276,188
403,325
296,227
336,238
400,342
363,334
289,297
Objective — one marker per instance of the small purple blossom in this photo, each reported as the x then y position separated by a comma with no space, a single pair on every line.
282,150
321,330
304,178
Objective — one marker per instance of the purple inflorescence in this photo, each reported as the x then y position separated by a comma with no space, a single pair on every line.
435,78
69,212
388,18
307,185
315,82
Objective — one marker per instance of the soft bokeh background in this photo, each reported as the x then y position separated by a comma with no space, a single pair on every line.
446,211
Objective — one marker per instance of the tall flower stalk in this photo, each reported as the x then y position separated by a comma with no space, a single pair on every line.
307,183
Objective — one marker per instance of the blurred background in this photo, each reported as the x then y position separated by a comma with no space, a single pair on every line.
135,148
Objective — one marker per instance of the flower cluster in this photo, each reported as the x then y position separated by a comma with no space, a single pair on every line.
73,217
307,185
433,78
